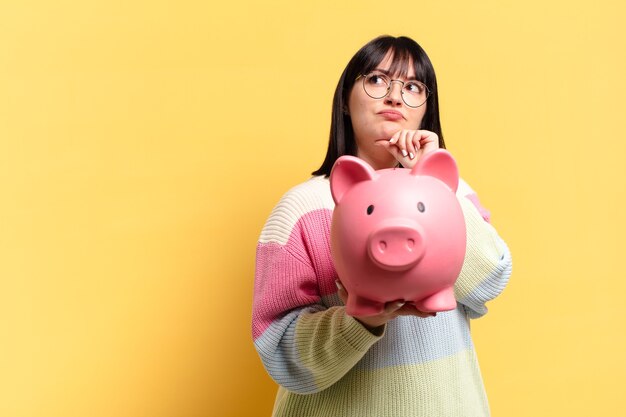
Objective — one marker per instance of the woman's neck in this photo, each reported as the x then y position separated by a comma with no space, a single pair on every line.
381,161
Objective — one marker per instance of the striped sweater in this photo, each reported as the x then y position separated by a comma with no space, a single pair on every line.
326,363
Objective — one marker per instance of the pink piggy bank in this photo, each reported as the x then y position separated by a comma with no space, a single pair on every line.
397,234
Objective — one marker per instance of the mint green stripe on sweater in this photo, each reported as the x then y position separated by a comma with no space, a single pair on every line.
330,344
407,391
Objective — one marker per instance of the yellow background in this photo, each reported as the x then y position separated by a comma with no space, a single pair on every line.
143,145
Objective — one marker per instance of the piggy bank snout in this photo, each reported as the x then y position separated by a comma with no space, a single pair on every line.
396,247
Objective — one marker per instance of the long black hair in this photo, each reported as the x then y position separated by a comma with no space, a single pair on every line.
405,50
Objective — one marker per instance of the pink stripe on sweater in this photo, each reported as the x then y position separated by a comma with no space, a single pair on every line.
483,211
287,276
294,275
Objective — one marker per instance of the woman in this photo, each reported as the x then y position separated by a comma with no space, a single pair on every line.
402,362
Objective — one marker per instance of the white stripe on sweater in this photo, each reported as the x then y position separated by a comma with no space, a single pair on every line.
313,194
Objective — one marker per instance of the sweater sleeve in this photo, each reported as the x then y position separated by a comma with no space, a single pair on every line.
487,265
464,190
305,344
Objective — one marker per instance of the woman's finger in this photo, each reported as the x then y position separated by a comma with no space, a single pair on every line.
410,143
341,291
394,151
393,306
395,137
397,140
410,310
429,141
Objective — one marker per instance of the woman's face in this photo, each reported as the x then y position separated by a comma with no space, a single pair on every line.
375,120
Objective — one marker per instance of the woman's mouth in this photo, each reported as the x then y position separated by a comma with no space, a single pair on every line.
391,114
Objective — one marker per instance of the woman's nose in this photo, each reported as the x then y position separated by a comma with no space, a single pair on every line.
394,96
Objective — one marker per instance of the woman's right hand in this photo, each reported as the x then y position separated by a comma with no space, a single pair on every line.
392,310
408,146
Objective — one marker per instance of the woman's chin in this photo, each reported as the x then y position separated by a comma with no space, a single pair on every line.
390,128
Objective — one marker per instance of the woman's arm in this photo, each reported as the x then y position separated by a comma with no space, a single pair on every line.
487,264
304,345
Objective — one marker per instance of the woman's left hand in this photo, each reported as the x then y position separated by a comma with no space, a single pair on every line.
408,146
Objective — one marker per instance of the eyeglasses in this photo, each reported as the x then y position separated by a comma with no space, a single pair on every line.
378,85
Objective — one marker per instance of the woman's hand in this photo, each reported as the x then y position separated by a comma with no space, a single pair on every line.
408,146
392,310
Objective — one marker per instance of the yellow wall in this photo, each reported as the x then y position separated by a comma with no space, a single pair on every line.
144,143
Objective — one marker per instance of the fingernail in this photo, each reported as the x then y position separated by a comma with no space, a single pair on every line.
399,304
411,155
404,153
338,284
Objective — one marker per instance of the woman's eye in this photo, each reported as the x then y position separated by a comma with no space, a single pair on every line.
376,79
370,210
414,88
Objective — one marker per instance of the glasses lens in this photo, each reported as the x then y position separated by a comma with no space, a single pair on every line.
376,84
414,93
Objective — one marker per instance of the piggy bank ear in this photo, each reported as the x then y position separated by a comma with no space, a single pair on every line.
348,171
441,165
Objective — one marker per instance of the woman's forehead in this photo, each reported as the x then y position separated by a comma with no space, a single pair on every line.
402,66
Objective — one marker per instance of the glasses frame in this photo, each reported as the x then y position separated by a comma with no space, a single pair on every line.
391,81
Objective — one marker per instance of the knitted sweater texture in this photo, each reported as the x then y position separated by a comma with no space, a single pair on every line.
326,363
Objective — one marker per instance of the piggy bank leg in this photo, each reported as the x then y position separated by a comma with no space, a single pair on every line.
440,301
359,306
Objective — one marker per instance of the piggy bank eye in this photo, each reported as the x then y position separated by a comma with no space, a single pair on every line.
370,210
421,207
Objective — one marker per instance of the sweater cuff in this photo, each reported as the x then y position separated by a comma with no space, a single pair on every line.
357,335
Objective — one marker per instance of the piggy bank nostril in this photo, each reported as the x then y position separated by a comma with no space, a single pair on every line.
410,243
382,245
